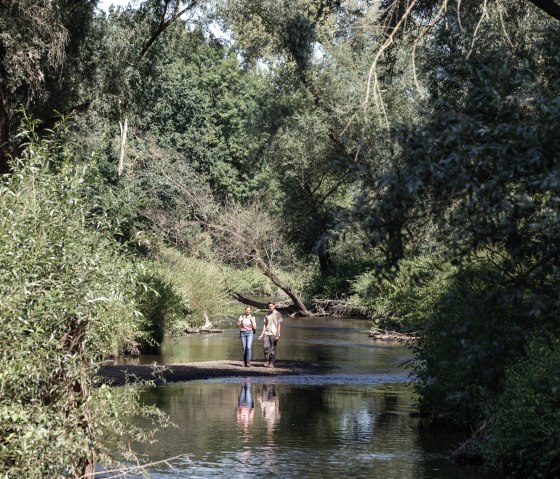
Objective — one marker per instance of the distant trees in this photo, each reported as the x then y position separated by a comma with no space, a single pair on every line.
196,101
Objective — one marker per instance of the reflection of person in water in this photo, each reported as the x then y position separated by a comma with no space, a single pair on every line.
270,407
246,407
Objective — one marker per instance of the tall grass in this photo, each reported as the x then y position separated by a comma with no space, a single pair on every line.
200,284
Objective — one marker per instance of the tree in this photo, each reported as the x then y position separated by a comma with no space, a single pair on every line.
184,210
308,143
124,38
311,185
482,159
198,102
249,235
36,39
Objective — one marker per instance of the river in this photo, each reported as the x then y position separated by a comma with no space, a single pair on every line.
352,421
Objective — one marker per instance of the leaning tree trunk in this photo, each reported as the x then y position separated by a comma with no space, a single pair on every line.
298,303
261,264
248,301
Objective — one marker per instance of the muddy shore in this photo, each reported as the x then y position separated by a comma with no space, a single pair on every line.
117,375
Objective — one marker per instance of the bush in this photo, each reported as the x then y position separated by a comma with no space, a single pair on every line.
66,292
523,437
406,299
472,334
339,283
164,309
348,262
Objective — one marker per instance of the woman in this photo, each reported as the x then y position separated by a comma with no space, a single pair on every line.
246,324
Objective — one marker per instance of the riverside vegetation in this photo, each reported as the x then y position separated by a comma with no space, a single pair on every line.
400,157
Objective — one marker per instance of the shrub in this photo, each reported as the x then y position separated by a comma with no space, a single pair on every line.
66,291
523,437
339,283
199,283
164,309
404,300
472,334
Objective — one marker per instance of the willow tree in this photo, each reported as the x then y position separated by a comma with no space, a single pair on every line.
482,157
38,41
67,304
308,146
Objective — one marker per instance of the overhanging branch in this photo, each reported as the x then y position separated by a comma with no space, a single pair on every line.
548,6
162,27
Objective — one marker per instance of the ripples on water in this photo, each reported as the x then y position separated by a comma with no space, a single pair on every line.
353,422
324,380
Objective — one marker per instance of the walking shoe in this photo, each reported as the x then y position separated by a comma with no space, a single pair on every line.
267,364
248,364
270,365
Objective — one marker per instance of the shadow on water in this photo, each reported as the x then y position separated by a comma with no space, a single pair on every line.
353,422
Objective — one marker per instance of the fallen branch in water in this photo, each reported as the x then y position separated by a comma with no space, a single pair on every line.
385,335
470,451
124,471
339,308
203,330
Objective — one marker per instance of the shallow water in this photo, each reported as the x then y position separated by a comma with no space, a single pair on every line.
354,420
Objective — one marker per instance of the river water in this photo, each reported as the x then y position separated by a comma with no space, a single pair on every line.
351,421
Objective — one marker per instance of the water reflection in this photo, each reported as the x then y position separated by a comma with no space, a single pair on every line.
244,417
353,421
270,408
245,407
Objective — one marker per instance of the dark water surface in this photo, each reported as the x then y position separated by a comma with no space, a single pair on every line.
352,421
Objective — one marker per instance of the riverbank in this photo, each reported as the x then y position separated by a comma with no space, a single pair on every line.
120,374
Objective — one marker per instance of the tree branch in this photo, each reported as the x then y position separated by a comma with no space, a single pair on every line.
164,24
332,190
548,6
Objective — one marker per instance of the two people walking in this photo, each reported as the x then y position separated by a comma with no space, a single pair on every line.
272,326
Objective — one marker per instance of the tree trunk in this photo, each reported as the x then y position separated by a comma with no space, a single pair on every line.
324,260
298,303
395,249
395,222
122,149
248,301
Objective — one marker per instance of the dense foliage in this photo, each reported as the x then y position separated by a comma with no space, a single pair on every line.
523,432
400,156
67,302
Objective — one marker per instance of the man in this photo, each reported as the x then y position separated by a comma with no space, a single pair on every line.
271,332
